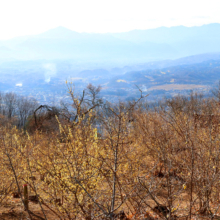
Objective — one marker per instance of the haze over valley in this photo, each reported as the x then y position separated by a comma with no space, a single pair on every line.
161,62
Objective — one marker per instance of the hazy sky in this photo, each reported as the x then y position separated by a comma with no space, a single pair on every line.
27,17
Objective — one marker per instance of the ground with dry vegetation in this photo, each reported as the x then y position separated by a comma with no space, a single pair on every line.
121,161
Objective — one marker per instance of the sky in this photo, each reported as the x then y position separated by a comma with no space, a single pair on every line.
29,17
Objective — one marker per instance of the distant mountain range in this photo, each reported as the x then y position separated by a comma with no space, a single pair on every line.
121,48
161,61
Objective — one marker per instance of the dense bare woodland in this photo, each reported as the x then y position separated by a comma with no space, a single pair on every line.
93,160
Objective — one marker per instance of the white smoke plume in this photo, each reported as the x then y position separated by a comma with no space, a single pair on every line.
50,71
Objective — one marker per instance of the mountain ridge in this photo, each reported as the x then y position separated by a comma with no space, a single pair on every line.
134,46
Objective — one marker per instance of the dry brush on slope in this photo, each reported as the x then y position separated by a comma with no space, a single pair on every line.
135,162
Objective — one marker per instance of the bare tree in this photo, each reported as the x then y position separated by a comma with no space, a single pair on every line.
216,92
1,103
81,105
25,108
10,101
